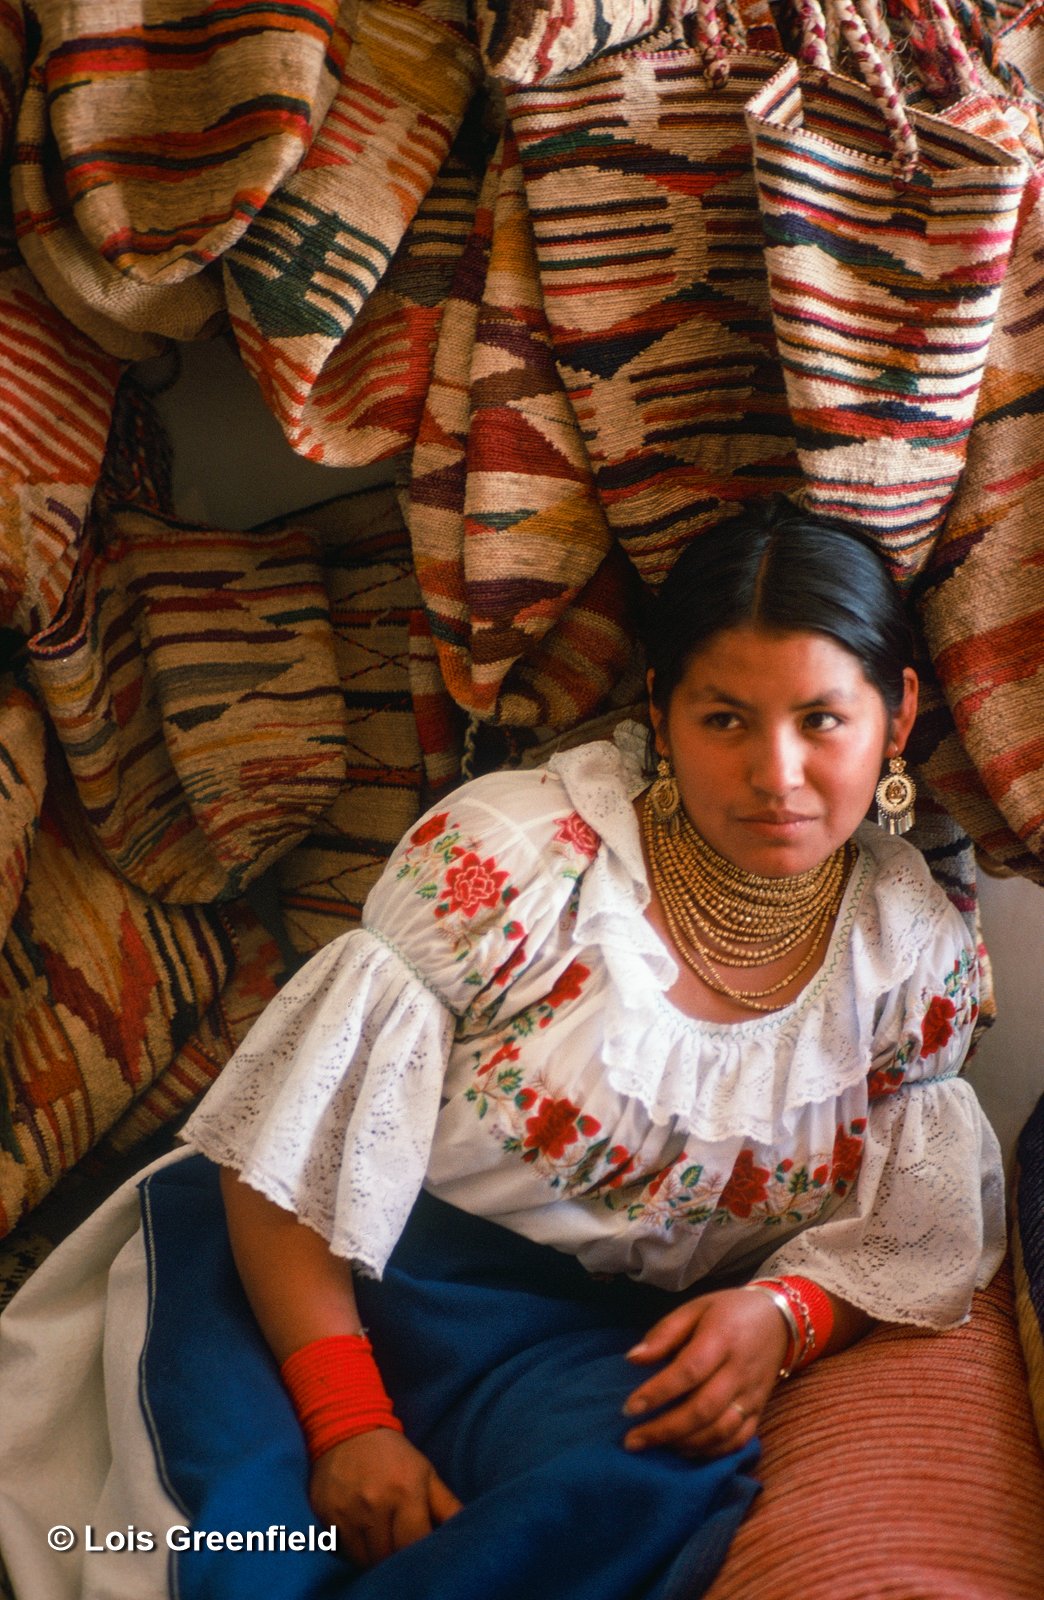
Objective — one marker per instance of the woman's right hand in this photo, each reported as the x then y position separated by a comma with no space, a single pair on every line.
380,1493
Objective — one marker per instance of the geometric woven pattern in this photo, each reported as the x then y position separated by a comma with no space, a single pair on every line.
99,988
373,597
509,540
1028,1245
650,257
323,241
192,682
883,302
983,602
166,128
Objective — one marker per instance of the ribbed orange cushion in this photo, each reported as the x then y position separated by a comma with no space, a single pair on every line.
907,1468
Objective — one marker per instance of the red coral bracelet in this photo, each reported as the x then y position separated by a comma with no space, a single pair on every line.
337,1391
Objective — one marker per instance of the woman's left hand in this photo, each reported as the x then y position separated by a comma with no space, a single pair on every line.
727,1350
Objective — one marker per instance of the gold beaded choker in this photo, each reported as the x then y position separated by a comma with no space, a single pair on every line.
719,916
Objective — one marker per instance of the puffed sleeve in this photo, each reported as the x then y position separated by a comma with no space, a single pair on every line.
328,1107
923,1224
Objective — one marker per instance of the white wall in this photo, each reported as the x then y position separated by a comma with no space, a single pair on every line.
233,467
1008,1067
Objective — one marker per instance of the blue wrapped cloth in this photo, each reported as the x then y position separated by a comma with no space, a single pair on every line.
505,1361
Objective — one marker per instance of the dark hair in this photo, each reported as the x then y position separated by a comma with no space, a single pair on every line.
779,567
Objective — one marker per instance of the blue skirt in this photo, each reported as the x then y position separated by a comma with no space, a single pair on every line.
505,1361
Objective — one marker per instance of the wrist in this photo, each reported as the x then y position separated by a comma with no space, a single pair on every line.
807,1312
336,1391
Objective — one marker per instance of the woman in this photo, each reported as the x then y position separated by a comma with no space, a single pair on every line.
627,1100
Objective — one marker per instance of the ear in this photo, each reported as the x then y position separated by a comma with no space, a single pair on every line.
656,716
903,721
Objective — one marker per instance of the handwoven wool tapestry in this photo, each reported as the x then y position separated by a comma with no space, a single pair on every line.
57,392
100,987
190,676
649,251
373,597
526,599
318,248
883,296
348,389
982,601
258,973
23,747
523,42
1028,1243
147,143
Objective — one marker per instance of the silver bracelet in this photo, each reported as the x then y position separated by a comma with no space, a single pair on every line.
796,1347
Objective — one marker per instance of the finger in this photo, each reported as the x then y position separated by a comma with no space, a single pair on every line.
694,1367
667,1335
442,1502
411,1521
351,1541
722,1440
709,1411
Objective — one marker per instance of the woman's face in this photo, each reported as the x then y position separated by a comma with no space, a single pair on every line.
778,741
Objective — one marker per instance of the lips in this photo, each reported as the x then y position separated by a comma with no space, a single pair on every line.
777,818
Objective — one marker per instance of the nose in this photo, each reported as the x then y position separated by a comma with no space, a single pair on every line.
777,763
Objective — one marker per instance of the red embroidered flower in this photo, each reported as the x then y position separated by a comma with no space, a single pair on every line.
937,1029
567,986
508,1052
431,829
573,830
747,1186
664,1173
621,1161
847,1154
555,1126
515,959
885,1080
472,884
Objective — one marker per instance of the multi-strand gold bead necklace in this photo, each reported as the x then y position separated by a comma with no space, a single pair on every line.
719,916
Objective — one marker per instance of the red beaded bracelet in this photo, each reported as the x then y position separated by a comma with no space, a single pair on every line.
808,1313
337,1391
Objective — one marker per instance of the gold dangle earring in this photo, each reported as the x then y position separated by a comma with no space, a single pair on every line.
895,796
664,795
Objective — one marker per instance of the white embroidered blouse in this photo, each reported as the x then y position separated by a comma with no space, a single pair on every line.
498,1031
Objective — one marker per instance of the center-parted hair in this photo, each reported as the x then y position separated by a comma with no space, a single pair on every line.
775,566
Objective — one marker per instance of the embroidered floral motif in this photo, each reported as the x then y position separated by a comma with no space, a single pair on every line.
747,1186
937,1026
942,1015
574,836
470,885
471,893
558,1123
682,1192
847,1155
567,986
430,830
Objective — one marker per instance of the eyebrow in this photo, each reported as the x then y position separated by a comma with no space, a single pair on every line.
710,691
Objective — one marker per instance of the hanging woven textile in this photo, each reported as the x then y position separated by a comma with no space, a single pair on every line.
649,252
982,599
888,233
190,677
100,987
147,143
364,556
301,278
526,596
